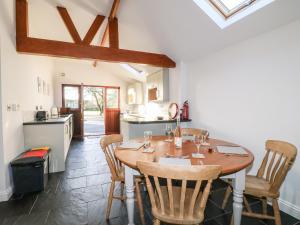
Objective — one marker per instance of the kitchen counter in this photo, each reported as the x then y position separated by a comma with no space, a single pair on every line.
56,133
61,119
135,126
135,120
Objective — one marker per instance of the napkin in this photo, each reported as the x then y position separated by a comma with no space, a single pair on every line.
174,161
232,150
131,145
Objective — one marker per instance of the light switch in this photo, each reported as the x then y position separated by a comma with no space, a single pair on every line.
14,107
8,108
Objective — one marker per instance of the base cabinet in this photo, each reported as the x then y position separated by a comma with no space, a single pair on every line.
57,136
133,130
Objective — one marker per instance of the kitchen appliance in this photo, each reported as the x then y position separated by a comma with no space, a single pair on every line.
54,112
185,111
41,115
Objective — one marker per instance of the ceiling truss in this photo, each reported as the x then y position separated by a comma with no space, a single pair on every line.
82,49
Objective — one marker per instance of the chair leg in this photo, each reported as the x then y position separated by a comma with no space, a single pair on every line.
226,197
110,199
156,222
248,208
139,202
122,190
276,212
264,206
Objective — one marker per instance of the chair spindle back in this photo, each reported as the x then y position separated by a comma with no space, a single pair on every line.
176,204
278,160
108,144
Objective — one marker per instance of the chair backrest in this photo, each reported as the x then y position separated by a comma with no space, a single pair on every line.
193,132
108,144
177,204
278,160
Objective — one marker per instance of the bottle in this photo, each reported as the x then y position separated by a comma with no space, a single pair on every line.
177,135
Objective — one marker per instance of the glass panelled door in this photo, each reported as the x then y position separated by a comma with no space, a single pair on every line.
72,103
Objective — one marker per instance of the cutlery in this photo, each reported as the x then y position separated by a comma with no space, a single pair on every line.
238,155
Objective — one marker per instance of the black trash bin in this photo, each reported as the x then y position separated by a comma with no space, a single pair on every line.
30,173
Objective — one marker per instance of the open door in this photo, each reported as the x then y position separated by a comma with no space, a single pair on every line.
112,110
72,103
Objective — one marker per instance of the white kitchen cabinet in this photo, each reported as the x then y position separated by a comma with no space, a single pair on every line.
131,129
135,93
55,133
158,86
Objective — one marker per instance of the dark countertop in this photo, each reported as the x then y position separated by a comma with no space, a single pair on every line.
150,121
61,119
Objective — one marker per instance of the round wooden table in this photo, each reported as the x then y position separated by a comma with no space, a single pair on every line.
233,166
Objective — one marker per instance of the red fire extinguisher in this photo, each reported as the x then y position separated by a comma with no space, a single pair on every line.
185,111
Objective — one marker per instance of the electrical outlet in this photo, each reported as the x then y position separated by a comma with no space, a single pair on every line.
13,107
8,108
37,107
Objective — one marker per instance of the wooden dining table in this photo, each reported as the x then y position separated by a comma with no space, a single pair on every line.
233,166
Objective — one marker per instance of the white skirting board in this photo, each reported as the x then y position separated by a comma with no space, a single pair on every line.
5,194
289,208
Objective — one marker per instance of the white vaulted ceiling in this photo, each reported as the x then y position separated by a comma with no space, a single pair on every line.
177,28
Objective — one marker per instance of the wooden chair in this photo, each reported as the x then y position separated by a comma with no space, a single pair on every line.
178,204
193,132
108,144
266,184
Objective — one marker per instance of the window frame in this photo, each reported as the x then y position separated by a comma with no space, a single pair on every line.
105,95
221,7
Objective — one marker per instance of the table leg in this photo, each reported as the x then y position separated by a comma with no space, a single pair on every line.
129,183
238,191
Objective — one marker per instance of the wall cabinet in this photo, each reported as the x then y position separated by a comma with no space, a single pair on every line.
158,86
135,93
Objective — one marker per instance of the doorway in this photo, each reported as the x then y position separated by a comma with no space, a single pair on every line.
93,110
96,109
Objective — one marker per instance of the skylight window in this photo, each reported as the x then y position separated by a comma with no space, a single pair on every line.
229,7
226,12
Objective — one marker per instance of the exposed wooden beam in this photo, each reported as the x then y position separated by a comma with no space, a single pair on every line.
72,50
93,29
25,44
112,15
69,24
113,33
21,19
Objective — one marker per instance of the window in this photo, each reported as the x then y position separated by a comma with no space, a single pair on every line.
229,7
227,12
71,97
112,98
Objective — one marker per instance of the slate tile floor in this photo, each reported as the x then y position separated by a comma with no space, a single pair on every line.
79,197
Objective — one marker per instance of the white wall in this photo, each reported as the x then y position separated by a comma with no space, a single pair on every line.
250,92
77,72
18,86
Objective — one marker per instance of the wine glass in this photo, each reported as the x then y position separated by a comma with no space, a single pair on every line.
169,132
205,137
147,139
198,140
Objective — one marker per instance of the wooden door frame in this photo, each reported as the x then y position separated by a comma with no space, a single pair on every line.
81,98
71,85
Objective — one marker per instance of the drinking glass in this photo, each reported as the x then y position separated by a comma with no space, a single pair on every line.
147,139
169,132
205,137
198,140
